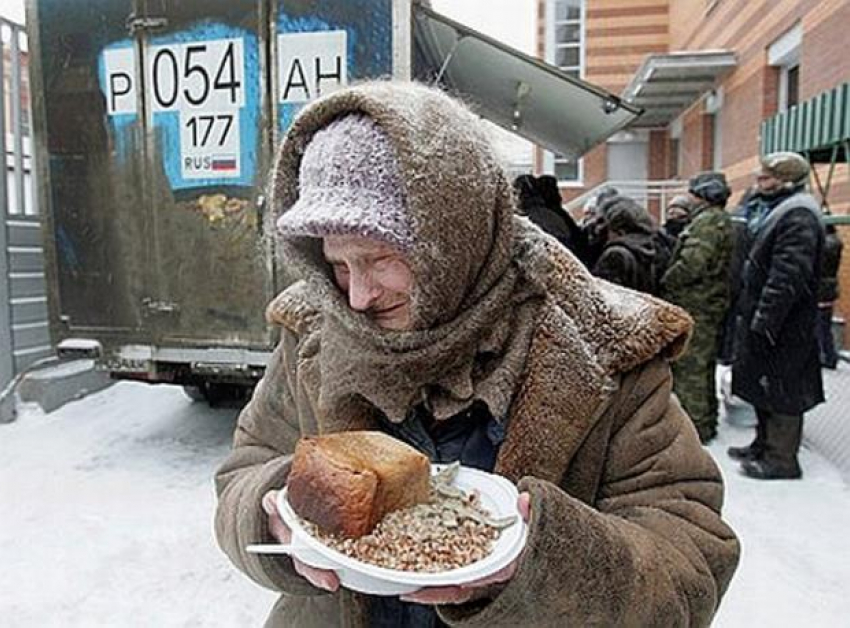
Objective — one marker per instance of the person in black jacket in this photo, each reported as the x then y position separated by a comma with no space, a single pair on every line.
827,296
542,204
629,255
776,367
678,215
593,230
547,187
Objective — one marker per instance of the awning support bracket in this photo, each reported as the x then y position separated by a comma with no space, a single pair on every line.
824,190
847,156
448,59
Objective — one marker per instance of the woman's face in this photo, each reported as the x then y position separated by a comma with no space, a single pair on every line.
375,277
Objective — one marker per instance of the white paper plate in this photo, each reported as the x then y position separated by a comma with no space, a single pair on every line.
498,496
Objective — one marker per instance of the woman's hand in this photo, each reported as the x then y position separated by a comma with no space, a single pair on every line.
320,578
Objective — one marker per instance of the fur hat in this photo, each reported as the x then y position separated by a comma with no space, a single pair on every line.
790,168
350,184
710,187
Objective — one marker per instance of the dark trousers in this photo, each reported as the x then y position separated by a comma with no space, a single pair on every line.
826,342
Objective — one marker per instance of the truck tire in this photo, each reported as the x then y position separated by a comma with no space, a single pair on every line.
195,393
217,394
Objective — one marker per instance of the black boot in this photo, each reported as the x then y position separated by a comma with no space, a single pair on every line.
754,450
779,460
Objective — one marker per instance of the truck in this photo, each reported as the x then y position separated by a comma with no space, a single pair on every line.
155,125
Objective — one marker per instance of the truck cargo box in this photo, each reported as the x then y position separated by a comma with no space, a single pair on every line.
155,127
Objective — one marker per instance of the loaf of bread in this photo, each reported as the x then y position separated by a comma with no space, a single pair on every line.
347,482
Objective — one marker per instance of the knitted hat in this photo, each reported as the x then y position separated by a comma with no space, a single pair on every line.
682,201
349,184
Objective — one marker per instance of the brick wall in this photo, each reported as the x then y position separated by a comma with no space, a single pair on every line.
659,159
691,147
618,35
824,55
750,93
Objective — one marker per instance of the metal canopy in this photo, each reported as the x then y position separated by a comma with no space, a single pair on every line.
518,92
819,128
667,84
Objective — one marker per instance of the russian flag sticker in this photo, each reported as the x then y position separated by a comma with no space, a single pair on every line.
224,163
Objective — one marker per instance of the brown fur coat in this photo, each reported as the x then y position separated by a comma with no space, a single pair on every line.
625,523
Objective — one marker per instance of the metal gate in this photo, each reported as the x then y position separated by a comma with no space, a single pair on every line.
24,332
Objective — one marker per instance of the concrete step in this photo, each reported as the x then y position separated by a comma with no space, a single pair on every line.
7,407
54,386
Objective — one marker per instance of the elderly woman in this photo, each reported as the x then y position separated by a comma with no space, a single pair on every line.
428,310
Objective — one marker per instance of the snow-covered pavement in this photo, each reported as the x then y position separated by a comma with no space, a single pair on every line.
106,520
795,563
107,515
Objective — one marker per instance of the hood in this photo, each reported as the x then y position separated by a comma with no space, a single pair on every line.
448,169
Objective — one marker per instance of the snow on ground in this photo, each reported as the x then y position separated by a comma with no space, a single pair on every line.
107,515
107,521
795,564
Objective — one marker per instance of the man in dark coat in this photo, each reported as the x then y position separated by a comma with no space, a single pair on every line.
698,280
827,296
776,367
629,256
593,229
539,199
547,186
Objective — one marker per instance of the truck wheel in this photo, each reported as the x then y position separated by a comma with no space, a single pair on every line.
195,393
217,394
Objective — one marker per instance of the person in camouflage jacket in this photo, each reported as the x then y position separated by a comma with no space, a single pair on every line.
698,280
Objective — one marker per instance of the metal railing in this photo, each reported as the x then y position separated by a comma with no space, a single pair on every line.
653,193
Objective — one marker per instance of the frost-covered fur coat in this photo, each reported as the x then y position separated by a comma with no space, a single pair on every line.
625,525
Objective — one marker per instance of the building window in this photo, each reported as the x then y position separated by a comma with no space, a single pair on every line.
789,87
714,108
565,44
673,159
567,170
784,55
